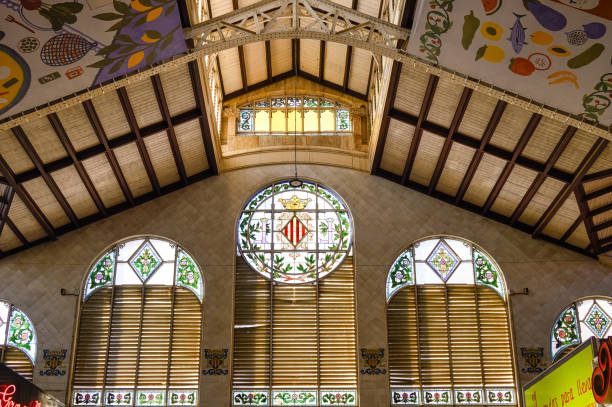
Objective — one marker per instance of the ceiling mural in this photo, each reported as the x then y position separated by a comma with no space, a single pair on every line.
543,50
51,48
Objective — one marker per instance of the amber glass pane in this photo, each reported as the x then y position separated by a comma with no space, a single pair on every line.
327,120
311,120
294,121
262,120
278,121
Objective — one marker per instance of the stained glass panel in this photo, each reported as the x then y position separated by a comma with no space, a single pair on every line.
311,102
101,273
294,101
4,320
262,120
188,274
284,233
343,122
565,331
21,334
245,122
278,102
326,103
262,103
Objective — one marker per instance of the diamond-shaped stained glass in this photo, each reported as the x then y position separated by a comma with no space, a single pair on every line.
146,261
443,261
597,320
294,231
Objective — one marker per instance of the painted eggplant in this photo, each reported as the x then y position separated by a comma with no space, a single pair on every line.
548,17
594,30
517,34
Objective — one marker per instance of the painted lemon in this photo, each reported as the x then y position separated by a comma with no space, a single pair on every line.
153,14
146,38
14,78
490,53
135,59
138,6
541,38
491,31
559,51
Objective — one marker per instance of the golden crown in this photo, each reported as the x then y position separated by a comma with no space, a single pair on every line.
295,203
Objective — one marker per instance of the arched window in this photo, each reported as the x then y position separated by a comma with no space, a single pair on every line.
139,332
17,340
582,319
448,327
294,305
302,114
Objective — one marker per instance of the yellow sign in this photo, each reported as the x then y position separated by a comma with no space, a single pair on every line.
566,385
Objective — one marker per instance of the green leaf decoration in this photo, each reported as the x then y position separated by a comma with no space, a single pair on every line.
140,21
101,63
108,16
151,58
167,41
116,67
124,38
120,24
169,10
121,7
108,49
153,34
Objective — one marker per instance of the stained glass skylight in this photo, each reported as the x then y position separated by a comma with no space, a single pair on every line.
295,234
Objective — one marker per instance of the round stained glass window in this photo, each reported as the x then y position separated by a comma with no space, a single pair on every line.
295,234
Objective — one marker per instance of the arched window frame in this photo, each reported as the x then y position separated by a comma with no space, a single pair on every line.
102,273
300,104
17,331
574,324
486,273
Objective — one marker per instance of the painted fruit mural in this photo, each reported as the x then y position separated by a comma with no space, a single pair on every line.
553,52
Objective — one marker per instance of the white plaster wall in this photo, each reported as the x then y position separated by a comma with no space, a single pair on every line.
387,218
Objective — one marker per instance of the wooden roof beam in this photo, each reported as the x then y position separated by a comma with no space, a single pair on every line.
347,67
598,193
40,217
518,150
386,119
268,61
600,210
458,116
243,75
31,152
198,91
295,54
7,200
321,60
603,226
16,232
142,148
165,111
418,131
588,220
541,177
486,137
597,148
598,175
65,140
94,120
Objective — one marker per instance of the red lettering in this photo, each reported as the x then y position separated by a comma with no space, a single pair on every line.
6,397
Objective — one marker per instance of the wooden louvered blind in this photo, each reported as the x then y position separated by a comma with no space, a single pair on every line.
294,336
453,335
139,337
18,361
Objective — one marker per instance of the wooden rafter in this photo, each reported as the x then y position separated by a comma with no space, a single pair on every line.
347,67
259,85
518,150
57,193
602,226
571,229
5,204
600,210
584,166
142,148
598,193
165,111
541,177
268,61
198,91
386,118
40,217
457,117
486,137
598,175
584,216
16,232
418,131
332,85
243,74
94,120
65,140
321,60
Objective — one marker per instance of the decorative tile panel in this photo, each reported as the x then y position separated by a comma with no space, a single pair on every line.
145,261
150,398
119,398
250,398
501,396
214,360
406,397
468,397
597,320
87,398
437,397
294,397
401,273
182,397
338,398
373,361
443,261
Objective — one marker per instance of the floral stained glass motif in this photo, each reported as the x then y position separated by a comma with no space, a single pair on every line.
150,398
597,320
101,273
468,397
146,261
338,398
407,397
343,122
250,398
119,398
294,234
565,331
21,333
486,274
245,122
188,275
401,273
182,397
87,398
443,261
294,398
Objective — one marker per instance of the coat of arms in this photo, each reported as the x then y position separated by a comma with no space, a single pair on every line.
373,361
533,357
214,359
54,362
